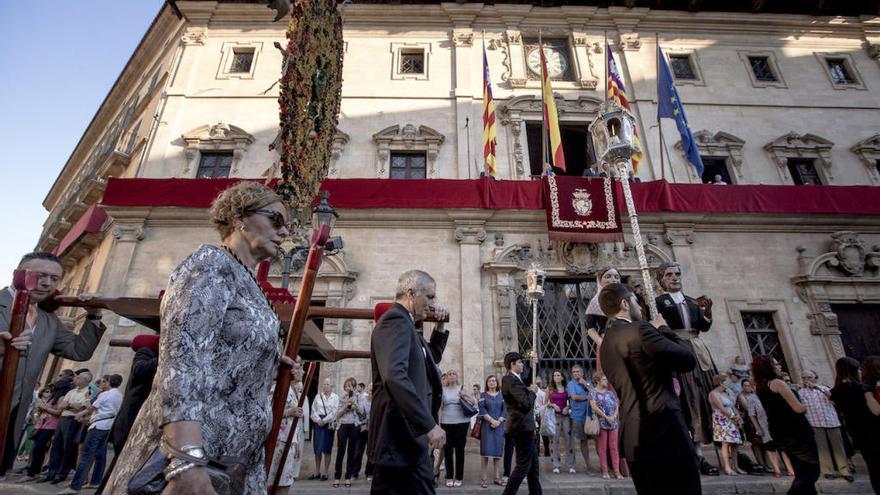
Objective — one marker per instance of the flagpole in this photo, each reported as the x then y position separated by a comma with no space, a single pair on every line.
545,163
467,133
607,55
659,125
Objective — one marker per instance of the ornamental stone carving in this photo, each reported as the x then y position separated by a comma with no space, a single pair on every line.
679,236
194,37
868,152
470,234
848,255
630,41
407,138
794,145
720,144
128,232
518,110
463,38
340,139
214,137
851,254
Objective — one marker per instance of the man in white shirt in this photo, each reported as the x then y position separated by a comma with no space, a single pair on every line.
102,413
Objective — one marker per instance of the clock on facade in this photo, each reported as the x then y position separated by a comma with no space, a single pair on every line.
557,62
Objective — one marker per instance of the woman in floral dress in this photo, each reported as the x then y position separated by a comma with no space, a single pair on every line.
725,425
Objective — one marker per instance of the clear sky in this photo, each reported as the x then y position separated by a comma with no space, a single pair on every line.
59,60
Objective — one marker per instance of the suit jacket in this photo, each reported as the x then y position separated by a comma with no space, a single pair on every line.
667,307
50,336
520,402
406,387
140,382
639,362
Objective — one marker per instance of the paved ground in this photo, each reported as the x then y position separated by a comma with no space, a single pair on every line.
553,484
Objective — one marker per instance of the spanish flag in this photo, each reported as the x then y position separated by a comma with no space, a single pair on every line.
489,133
551,118
617,92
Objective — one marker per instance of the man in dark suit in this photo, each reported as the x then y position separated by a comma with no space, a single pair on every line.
406,388
689,318
520,424
639,359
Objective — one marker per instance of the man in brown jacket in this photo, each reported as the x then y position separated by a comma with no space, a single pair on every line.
44,334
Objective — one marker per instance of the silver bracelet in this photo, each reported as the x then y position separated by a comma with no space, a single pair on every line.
177,471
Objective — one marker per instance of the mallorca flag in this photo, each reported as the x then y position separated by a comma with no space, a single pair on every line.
617,92
489,133
551,118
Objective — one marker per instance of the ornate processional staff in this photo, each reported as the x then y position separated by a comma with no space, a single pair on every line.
311,91
613,132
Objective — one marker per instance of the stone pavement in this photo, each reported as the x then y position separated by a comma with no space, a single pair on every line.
553,484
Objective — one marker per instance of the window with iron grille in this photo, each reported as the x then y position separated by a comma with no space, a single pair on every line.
762,336
682,67
241,61
803,172
412,61
214,164
408,166
762,69
562,330
840,73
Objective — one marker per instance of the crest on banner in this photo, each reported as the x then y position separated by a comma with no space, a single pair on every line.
581,202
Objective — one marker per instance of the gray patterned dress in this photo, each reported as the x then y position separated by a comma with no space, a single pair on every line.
219,347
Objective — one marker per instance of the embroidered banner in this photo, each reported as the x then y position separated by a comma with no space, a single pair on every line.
581,209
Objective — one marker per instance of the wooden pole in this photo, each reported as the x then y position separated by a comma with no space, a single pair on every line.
307,381
294,335
23,281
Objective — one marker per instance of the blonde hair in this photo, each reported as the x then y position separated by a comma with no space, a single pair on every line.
237,201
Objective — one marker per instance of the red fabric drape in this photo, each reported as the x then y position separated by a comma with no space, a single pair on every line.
90,222
657,196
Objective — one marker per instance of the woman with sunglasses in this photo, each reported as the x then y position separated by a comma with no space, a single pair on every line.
218,351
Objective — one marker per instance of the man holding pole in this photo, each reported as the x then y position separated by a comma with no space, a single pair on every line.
403,424
44,334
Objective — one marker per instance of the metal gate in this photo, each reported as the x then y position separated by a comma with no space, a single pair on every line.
562,331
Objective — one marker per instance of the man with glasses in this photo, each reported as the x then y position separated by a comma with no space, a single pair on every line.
44,334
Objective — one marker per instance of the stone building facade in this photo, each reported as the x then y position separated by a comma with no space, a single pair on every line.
774,98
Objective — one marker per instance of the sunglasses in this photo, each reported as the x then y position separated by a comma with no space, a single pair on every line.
277,219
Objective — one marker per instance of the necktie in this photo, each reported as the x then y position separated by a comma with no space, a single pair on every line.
685,314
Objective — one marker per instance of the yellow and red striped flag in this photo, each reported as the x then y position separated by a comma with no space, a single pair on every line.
617,92
551,118
489,133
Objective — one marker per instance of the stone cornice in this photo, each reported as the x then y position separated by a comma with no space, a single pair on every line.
154,42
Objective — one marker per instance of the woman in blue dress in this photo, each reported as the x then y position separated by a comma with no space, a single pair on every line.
493,413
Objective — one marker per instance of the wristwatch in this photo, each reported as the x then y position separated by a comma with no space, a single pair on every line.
194,451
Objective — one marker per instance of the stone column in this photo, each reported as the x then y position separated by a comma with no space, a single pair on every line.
128,230
470,234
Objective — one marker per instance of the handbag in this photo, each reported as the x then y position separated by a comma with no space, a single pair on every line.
227,474
591,426
548,422
477,429
466,407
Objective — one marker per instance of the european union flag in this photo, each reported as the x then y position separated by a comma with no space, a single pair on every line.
669,106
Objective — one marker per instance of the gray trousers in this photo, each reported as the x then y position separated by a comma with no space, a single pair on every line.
563,433
829,443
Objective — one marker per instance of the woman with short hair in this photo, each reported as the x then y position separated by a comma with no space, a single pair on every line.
324,409
347,432
218,352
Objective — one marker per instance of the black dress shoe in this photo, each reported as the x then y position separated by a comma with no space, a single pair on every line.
707,469
45,480
315,477
324,477
58,480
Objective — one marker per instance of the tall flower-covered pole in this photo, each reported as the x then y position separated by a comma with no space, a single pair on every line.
311,90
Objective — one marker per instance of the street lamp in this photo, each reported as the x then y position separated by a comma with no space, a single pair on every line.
324,214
